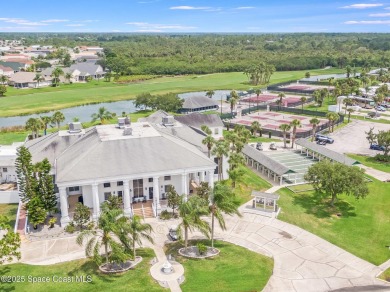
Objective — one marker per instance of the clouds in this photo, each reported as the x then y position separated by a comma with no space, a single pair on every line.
363,6
54,20
188,8
367,22
20,21
155,27
379,15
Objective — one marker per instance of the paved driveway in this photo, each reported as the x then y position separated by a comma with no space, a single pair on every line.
352,138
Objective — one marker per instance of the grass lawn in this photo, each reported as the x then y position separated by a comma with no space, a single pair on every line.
248,182
301,188
138,279
10,137
263,139
371,162
362,228
26,101
362,118
234,269
385,275
9,210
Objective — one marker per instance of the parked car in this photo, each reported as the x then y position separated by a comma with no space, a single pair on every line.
259,146
272,146
377,147
385,105
327,139
373,115
173,233
321,142
380,108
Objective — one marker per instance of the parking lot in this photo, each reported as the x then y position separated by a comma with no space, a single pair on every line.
352,138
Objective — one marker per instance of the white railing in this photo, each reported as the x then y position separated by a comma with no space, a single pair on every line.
154,210
143,211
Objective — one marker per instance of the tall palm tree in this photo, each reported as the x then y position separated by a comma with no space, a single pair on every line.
139,230
255,128
109,229
350,110
332,118
303,100
220,150
190,212
68,76
258,92
38,78
57,118
223,201
347,102
314,122
210,93
235,160
34,125
45,121
285,128
233,99
102,115
294,124
281,96
209,141
57,72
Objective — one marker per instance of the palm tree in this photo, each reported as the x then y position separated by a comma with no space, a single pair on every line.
348,70
34,125
281,96
45,121
233,99
255,128
190,212
3,79
350,110
38,78
258,92
294,124
223,200
101,115
139,230
285,128
347,102
68,76
236,175
57,72
109,229
235,160
209,141
314,122
303,100
332,118
210,93
220,150
57,118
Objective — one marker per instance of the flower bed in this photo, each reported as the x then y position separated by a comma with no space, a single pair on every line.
193,252
115,268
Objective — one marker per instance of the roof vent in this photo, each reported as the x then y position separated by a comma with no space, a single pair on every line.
168,121
128,131
75,127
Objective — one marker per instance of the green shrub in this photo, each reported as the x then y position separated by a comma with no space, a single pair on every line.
201,248
70,228
165,215
382,158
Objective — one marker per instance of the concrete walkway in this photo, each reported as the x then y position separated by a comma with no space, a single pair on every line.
379,175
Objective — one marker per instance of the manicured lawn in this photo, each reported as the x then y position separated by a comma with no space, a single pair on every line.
17,101
301,188
380,121
249,181
234,269
385,275
263,139
138,279
10,137
362,229
9,210
371,162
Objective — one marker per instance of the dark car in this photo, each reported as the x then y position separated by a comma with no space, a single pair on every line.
324,138
173,233
377,147
259,146
321,142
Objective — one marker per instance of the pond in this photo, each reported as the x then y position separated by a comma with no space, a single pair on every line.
83,113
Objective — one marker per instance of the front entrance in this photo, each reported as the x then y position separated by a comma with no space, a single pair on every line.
150,193
138,186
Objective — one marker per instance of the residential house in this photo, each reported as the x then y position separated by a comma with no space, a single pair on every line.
47,73
137,162
7,71
16,66
198,104
7,162
87,69
26,80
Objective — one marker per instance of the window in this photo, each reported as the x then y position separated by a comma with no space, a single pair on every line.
5,169
216,131
166,188
216,169
119,183
107,185
150,179
107,195
120,194
138,187
74,189
168,177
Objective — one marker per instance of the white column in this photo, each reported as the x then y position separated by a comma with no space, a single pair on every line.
210,174
126,198
202,176
96,202
156,194
184,185
64,206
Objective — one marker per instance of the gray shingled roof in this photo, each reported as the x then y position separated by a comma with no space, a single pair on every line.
338,157
86,67
91,158
197,120
265,160
195,102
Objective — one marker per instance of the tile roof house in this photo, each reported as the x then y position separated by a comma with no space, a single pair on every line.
136,161
7,71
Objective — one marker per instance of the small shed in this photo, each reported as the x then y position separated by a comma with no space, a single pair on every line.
264,204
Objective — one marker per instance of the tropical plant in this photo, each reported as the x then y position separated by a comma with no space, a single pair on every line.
114,202
68,76
46,120
57,72
9,242
285,128
191,212
350,110
294,124
38,78
235,160
332,118
210,93
139,231
57,118
220,150
236,175
4,79
3,90
209,141
102,115
314,122
173,198
223,201
34,125
233,99
203,190
255,128
281,95
82,215
303,100
36,211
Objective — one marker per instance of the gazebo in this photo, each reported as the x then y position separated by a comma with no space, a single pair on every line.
264,204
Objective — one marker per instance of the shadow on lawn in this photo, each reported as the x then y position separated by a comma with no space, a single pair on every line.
318,204
6,285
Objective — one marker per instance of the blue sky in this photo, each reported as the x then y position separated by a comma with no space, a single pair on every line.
194,16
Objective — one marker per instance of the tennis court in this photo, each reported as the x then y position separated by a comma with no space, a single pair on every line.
271,98
304,87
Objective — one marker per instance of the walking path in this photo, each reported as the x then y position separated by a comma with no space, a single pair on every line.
379,175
